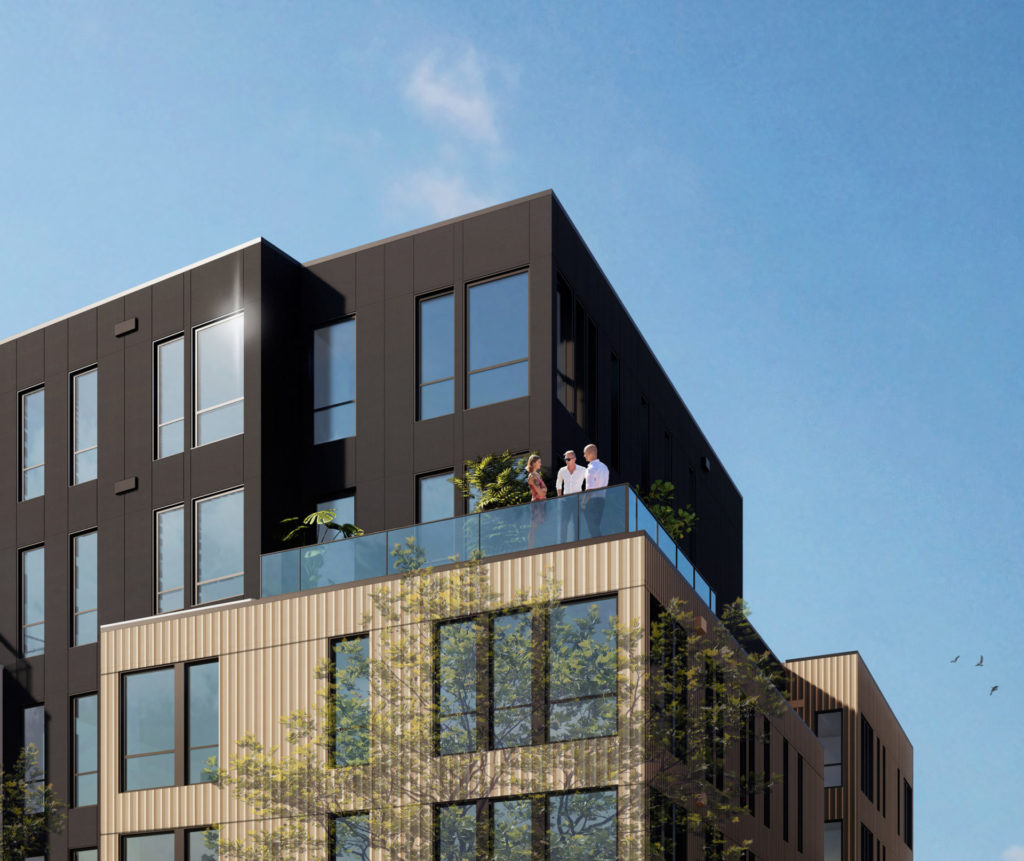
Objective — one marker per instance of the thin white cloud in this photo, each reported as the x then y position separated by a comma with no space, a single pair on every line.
442,195
455,93
1014,853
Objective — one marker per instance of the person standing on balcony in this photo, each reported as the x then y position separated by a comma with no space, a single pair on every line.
569,481
597,479
538,493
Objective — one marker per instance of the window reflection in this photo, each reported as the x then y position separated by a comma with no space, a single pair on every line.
334,382
219,380
32,438
220,548
85,624
436,497
436,356
84,432
148,730
498,340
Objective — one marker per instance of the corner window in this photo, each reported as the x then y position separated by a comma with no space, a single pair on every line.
220,389
570,825
33,596
350,693
581,696
170,397
32,456
830,734
85,626
86,750
498,340
435,497
219,547
170,559
84,431
436,369
334,382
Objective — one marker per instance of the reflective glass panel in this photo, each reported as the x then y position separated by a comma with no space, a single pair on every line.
203,720
436,356
583,826
86,749
456,832
334,381
219,380
352,838
456,685
582,670
170,404
436,399
86,601
220,548
436,497
32,440
148,731
85,855
833,841
149,847
513,829
85,426
499,384
197,847
498,321
344,509
170,559
512,680
351,696
33,592
830,734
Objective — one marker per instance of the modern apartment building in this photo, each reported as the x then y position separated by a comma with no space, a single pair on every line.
869,761
154,442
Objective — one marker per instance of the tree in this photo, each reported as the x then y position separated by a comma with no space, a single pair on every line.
495,480
660,501
404,726
29,806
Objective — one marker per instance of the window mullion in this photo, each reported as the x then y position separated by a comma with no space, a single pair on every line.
180,723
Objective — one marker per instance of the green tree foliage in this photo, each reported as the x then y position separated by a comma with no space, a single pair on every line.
496,480
397,727
29,807
660,500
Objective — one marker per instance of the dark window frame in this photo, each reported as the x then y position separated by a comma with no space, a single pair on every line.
77,774
24,468
73,378
421,383
341,321
842,734
197,410
333,657
23,595
75,610
159,422
468,369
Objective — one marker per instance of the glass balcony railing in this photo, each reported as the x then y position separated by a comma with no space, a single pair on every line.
531,526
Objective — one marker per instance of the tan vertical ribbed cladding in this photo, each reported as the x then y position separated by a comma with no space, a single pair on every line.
843,681
268,653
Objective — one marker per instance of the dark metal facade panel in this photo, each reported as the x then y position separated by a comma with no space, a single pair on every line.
434,259
82,339
8,367
168,307
31,370
82,501
496,241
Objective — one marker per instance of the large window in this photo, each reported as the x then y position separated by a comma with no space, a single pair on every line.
86,750
85,625
834,840
170,397
436,371
334,381
32,448
152,702
220,388
498,340
830,734
202,692
148,731
170,559
435,497
564,663
350,695
350,837
574,826
219,547
84,431
33,599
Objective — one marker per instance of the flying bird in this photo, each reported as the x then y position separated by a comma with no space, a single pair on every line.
957,658
981,661
994,689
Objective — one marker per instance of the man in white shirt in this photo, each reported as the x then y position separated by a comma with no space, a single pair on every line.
570,480
570,477
593,505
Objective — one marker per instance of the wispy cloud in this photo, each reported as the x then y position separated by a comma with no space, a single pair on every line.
1014,853
441,194
455,93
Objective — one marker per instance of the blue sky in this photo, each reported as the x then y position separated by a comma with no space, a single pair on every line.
812,211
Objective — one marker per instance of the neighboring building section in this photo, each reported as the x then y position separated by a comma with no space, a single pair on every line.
869,761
